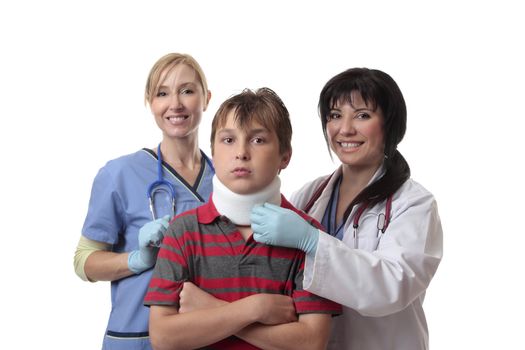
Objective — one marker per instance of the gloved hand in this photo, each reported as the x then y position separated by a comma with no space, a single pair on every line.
274,225
150,236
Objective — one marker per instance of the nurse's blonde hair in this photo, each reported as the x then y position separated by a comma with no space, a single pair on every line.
167,63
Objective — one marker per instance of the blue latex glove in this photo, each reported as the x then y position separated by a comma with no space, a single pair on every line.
150,236
274,225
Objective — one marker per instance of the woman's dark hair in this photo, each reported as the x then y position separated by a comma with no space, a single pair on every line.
377,89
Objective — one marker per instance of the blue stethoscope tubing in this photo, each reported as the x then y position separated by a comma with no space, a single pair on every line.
163,185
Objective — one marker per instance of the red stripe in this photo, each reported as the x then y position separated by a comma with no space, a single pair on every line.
165,284
157,297
317,306
217,237
199,247
243,282
186,213
312,302
172,256
302,294
223,251
170,295
233,343
233,296
301,266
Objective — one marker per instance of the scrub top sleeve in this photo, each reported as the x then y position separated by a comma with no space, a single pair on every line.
104,219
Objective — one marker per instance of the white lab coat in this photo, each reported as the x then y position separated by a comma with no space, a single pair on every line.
381,291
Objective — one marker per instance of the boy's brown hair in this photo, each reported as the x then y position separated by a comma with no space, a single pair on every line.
263,106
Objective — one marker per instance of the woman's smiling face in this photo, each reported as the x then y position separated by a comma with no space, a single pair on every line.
179,102
355,132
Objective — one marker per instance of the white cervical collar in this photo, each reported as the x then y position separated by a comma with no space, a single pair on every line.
237,207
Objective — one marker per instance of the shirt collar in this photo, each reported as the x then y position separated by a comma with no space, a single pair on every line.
207,213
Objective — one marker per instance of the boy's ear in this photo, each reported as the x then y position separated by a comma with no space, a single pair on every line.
285,159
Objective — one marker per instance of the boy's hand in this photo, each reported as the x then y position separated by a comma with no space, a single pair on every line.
268,308
272,309
274,225
192,298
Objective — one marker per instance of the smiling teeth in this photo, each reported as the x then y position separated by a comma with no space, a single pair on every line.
349,144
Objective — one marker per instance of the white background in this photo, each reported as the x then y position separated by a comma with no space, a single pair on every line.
72,75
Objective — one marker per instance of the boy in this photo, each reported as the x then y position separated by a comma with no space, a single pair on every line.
212,247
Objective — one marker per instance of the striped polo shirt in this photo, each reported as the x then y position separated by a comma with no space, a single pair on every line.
204,247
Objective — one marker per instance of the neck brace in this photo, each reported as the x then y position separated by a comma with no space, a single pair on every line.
237,207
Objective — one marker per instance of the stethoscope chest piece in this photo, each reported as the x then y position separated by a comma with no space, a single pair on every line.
156,189
159,186
383,220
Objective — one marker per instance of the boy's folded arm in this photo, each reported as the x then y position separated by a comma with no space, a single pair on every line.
311,331
170,329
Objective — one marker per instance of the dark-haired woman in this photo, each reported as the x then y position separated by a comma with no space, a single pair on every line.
384,239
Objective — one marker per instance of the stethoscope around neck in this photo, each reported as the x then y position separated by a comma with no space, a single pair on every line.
383,220
161,185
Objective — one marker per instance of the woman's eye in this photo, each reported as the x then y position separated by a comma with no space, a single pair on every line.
333,115
186,91
363,116
161,94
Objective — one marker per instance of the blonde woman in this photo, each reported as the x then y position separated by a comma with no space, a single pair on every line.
119,239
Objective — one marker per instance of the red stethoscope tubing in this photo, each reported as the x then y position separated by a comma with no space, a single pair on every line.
382,223
388,209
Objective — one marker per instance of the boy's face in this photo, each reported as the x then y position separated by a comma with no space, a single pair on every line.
246,161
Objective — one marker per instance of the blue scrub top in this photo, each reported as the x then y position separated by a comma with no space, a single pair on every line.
118,208
333,227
